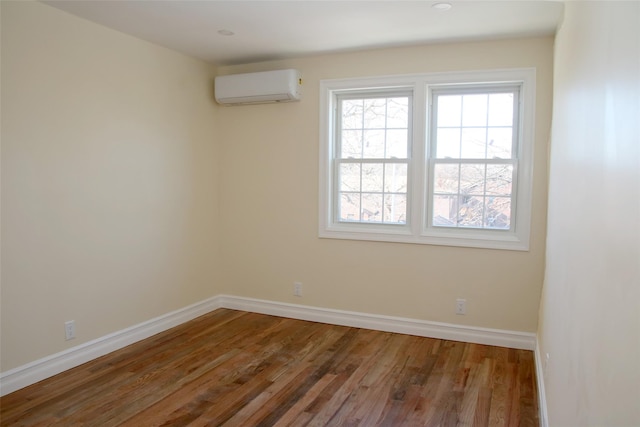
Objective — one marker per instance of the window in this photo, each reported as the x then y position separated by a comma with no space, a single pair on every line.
434,159
372,157
473,164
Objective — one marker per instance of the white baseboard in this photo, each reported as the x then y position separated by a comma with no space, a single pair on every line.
38,370
423,328
542,396
46,367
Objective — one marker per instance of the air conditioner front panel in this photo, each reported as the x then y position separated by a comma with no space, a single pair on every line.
267,86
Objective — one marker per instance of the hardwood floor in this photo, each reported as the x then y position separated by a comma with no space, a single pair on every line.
234,368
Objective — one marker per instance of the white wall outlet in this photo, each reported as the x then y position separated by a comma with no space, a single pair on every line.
297,289
70,329
461,306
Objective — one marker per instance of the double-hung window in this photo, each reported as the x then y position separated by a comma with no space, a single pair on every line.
434,159
372,155
472,164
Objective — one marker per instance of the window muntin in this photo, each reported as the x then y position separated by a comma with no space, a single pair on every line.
372,146
474,141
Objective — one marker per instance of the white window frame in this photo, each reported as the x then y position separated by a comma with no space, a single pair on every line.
417,229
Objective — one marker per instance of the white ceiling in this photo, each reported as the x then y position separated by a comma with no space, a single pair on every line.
266,30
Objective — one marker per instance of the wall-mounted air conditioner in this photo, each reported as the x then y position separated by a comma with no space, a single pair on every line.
257,88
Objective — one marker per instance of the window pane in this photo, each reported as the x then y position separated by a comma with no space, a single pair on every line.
373,128
449,110
349,177
351,144
395,208
372,177
371,207
445,211
445,178
474,110
395,178
475,195
472,179
352,114
500,143
499,179
373,144
396,144
375,113
349,207
470,211
473,144
501,109
398,113
448,144
498,212
480,127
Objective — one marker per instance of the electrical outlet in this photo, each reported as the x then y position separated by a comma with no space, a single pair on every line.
70,329
297,289
461,306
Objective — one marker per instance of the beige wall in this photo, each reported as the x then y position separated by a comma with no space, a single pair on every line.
109,181
590,309
126,193
269,205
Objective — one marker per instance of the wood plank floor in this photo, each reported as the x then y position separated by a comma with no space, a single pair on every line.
235,368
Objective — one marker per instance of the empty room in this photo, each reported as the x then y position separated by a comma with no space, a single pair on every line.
320,213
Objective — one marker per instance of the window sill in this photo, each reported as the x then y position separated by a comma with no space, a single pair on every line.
401,234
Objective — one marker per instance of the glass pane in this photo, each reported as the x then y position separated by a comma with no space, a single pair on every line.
349,177
445,211
473,144
371,207
501,109
499,179
396,144
498,212
351,144
470,211
449,110
472,179
395,178
374,128
395,208
398,113
500,143
445,179
448,144
352,114
474,110
373,144
375,113
372,177
349,207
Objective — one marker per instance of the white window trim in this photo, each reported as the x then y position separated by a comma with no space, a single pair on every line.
416,231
